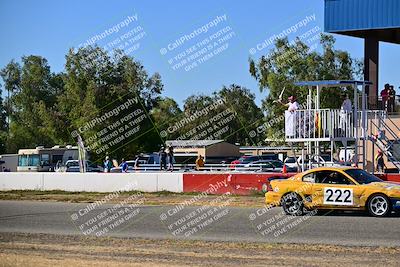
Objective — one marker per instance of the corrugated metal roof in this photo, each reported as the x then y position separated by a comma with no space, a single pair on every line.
354,15
192,143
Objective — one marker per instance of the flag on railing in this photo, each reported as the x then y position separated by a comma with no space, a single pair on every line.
318,125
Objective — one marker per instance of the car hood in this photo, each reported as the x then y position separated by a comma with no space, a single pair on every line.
386,185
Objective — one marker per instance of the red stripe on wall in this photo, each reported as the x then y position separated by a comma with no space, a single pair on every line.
221,183
240,184
390,177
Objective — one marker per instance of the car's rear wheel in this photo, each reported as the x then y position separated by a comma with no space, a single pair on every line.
379,205
292,204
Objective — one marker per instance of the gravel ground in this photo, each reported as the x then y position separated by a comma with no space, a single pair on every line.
63,250
159,198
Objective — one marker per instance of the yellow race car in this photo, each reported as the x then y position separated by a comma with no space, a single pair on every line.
332,188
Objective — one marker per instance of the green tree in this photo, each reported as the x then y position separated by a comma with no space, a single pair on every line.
295,61
46,107
95,83
235,109
3,125
247,114
29,85
11,75
166,113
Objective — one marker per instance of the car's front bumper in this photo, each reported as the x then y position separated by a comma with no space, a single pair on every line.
395,204
272,198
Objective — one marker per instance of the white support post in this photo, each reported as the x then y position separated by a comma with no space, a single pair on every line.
317,107
363,125
373,145
356,135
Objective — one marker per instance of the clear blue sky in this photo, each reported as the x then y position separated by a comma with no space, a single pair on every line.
50,28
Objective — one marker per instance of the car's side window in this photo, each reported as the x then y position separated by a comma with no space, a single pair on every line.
310,178
343,179
320,176
332,177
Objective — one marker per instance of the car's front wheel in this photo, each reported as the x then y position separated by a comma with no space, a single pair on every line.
379,205
292,204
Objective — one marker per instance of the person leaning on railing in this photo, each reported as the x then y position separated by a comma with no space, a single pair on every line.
391,100
385,96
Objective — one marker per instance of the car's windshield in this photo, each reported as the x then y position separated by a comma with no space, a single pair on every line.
290,160
249,159
362,177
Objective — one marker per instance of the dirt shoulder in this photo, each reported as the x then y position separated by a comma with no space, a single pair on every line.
56,250
159,198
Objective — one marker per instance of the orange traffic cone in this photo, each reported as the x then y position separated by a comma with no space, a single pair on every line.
284,170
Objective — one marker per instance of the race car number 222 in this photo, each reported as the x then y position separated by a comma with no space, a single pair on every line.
338,196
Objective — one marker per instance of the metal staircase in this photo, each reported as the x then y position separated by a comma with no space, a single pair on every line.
387,140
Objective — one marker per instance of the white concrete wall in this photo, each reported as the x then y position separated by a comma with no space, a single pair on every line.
21,181
92,182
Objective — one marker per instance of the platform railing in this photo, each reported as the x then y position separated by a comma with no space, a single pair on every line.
319,124
391,105
326,123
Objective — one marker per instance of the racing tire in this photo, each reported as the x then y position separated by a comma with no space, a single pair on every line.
292,204
379,205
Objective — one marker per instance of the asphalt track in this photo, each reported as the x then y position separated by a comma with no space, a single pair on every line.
221,223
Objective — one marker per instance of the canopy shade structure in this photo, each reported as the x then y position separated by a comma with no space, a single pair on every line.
373,20
364,18
332,83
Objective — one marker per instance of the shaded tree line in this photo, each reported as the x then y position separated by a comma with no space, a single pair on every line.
42,107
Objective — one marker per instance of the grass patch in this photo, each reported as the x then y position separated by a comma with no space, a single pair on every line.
151,198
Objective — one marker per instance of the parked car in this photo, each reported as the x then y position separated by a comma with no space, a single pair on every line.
265,166
324,160
291,164
73,166
247,159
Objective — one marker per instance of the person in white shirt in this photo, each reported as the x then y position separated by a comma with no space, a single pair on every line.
293,105
345,111
346,105
290,118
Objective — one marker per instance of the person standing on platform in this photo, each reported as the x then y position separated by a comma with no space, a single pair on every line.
391,100
385,97
292,105
290,118
345,111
